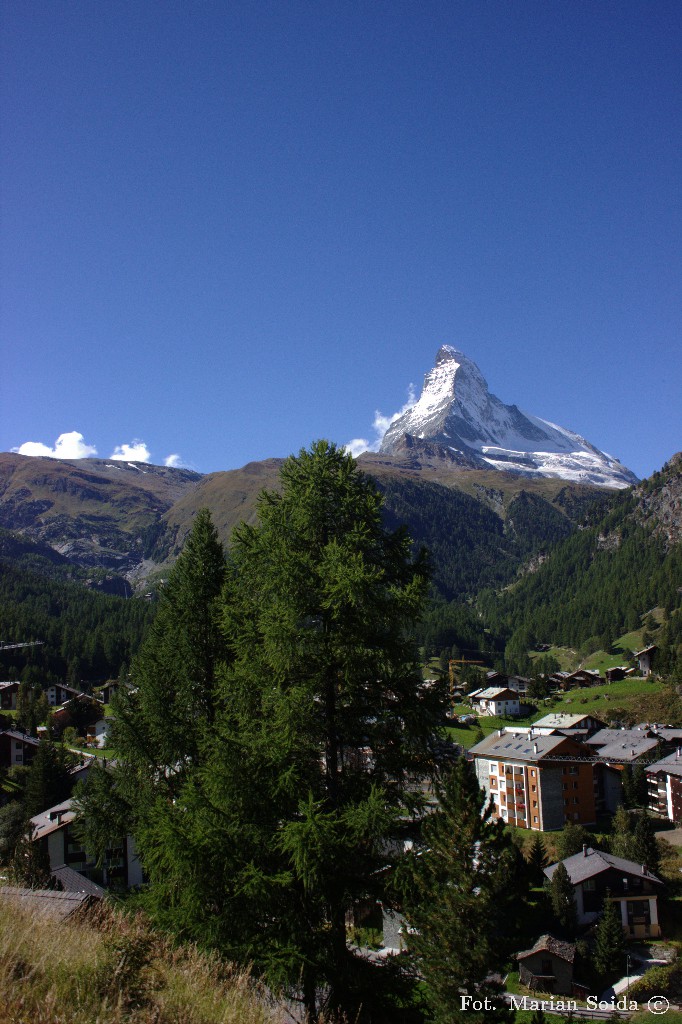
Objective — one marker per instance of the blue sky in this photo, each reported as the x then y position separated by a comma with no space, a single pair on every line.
231,228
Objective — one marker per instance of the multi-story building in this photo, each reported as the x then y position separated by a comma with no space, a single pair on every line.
664,780
538,782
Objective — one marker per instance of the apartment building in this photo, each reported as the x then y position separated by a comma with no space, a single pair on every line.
538,782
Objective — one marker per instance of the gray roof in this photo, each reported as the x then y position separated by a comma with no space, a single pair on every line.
22,736
73,881
517,746
52,819
494,693
672,765
605,736
49,902
565,950
589,863
559,720
626,749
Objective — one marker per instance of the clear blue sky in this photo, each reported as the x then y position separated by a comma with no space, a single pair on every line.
231,228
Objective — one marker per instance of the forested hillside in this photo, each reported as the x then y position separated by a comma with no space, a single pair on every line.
86,635
602,579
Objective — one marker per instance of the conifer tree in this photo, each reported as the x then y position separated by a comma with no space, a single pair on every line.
645,846
467,879
561,894
160,722
609,940
621,842
537,862
47,778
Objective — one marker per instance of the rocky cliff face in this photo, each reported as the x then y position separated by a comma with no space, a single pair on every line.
457,414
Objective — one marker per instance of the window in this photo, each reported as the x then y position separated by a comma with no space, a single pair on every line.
589,885
532,773
493,767
546,967
576,800
535,818
575,785
564,785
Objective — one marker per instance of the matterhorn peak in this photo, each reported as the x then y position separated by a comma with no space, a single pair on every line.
457,414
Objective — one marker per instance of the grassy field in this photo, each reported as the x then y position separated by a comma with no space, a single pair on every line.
112,969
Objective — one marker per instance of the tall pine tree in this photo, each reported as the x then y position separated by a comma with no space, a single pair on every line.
467,881
323,737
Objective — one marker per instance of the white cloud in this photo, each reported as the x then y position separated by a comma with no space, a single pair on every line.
173,461
67,446
380,425
135,452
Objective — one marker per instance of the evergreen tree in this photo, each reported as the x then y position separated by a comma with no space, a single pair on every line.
621,843
467,879
609,940
645,846
266,794
47,779
160,722
537,862
572,839
561,895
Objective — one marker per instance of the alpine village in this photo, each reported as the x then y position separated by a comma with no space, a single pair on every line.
378,740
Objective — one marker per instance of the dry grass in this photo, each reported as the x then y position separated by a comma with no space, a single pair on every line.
110,968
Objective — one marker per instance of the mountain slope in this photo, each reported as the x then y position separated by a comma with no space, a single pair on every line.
457,415
599,581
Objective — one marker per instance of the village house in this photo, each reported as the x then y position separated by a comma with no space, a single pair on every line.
598,876
16,748
537,782
59,693
645,659
548,966
8,696
98,733
495,700
53,829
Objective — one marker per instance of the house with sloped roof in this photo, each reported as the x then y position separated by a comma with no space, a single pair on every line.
597,877
54,829
8,695
496,700
547,966
16,748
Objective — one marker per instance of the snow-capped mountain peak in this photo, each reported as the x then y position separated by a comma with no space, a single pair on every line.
457,413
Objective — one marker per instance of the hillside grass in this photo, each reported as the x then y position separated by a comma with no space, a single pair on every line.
113,969
643,699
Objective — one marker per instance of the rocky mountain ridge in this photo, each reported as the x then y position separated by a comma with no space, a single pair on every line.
457,418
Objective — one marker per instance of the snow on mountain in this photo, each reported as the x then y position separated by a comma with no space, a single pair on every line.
457,413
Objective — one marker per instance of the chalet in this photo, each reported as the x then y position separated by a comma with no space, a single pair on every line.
583,677
54,830
8,696
98,733
496,700
664,781
598,876
16,748
548,966
519,684
645,659
59,693
537,782
80,711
